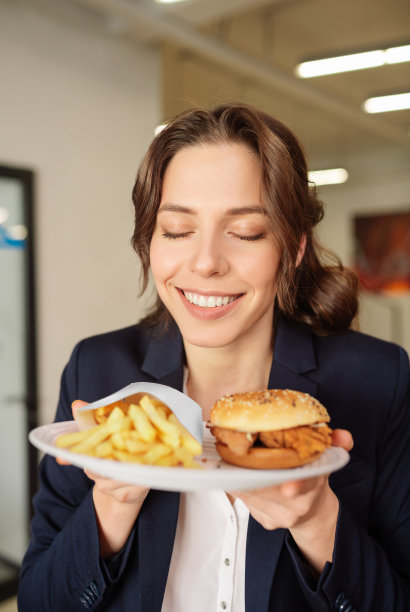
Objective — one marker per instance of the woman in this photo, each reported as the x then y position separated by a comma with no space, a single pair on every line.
224,219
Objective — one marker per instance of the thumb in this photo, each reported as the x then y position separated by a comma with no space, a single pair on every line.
343,438
76,405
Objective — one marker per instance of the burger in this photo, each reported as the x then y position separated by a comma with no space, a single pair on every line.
270,429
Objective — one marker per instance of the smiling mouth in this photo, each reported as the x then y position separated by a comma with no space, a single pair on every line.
210,301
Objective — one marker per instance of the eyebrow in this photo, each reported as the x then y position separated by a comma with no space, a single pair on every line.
237,210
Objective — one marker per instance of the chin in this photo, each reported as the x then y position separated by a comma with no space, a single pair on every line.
206,339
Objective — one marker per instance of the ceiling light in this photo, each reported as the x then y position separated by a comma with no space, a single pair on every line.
384,104
353,61
159,128
332,176
396,55
169,1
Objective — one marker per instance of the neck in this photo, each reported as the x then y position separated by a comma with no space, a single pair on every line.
213,372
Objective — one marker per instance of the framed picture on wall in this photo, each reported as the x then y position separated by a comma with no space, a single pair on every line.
382,251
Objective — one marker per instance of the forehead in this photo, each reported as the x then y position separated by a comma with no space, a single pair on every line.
225,172
231,152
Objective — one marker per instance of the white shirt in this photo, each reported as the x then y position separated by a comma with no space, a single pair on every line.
207,570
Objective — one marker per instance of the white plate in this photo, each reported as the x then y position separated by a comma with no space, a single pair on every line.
215,473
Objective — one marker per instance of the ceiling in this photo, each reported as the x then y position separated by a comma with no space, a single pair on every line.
261,41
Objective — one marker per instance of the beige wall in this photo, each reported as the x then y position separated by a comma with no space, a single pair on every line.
379,180
78,106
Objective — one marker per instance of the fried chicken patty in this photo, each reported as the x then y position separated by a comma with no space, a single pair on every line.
306,440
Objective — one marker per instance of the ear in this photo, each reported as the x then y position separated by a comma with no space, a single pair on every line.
301,251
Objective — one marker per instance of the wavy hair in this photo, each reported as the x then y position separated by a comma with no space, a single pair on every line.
321,295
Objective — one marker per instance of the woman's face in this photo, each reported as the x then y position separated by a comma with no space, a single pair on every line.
213,259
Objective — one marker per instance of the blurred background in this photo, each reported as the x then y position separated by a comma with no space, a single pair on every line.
84,84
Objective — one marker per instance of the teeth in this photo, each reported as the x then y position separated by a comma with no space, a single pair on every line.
210,301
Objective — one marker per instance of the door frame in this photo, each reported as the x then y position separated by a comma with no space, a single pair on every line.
26,179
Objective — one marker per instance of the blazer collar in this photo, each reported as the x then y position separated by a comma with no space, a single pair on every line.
164,358
157,524
294,346
263,549
294,356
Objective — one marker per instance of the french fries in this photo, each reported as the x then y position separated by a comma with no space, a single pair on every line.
147,433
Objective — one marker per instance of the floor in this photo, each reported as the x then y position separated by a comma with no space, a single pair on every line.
9,605
8,575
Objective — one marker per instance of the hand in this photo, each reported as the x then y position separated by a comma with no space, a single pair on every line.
308,508
120,491
116,504
74,407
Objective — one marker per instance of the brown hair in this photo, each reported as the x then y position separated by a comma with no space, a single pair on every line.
324,297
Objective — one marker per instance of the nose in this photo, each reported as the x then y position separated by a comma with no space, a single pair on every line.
208,257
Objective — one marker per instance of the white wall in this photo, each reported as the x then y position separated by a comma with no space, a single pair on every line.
78,106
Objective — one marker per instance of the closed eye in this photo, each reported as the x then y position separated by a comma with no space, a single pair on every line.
249,238
172,236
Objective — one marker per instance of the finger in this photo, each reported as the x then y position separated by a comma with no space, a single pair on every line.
343,438
288,490
292,488
93,476
61,461
114,484
295,488
76,405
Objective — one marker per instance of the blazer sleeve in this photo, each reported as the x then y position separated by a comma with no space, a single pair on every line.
370,569
62,568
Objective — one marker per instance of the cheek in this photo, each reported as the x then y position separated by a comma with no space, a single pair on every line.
262,270
156,257
163,260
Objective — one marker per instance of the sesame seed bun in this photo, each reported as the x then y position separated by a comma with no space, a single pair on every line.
268,410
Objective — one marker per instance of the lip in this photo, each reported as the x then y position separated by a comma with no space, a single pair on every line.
209,314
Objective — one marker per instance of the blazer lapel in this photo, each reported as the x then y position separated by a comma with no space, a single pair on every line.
294,356
157,521
164,359
282,377
156,532
262,554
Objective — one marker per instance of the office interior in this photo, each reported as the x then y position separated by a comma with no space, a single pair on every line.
85,83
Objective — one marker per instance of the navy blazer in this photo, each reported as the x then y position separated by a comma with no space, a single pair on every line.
363,382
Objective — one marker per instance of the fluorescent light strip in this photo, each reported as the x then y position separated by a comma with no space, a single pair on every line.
169,1
159,128
354,61
397,55
332,176
385,104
